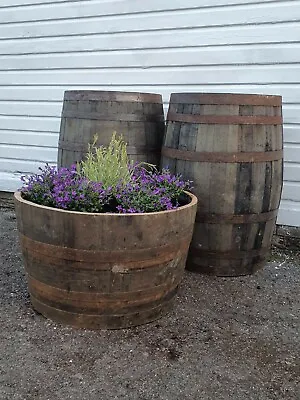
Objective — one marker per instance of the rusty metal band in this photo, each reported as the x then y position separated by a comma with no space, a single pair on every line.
151,293
98,320
81,147
225,119
113,117
229,255
132,97
159,254
226,99
104,309
222,157
222,219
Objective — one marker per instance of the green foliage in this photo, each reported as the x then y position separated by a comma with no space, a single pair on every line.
106,182
108,165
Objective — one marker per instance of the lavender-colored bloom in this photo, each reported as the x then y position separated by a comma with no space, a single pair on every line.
65,188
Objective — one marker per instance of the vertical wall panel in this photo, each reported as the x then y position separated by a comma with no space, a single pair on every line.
46,47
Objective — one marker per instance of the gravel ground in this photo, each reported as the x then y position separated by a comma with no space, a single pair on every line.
227,338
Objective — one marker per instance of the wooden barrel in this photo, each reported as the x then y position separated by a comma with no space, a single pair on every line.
138,117
103,270
230,146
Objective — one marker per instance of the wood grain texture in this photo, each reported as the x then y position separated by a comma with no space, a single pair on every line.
138,117
236,169
103,270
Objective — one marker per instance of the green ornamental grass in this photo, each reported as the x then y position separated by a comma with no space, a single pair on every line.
106,181
109,165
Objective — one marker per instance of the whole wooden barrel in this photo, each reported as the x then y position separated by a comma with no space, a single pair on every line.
230,146
107,271
138,117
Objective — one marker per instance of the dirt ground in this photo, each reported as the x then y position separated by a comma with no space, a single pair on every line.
226,338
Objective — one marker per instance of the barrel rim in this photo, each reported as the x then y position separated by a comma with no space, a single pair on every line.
206,98
111,95
194,201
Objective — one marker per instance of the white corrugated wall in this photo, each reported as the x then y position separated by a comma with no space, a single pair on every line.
46,47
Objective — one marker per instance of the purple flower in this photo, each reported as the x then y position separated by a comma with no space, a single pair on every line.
65,188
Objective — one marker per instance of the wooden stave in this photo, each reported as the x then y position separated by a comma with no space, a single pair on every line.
139,117
151,291
243,220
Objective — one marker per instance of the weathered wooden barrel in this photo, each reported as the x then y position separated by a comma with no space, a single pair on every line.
138,117
103,270
230,146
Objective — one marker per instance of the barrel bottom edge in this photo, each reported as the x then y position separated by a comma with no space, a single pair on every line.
248,269
98,321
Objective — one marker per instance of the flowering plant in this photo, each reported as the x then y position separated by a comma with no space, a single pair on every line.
136,190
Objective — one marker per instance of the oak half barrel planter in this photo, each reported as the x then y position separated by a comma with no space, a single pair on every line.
230,146
139,117
99,271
